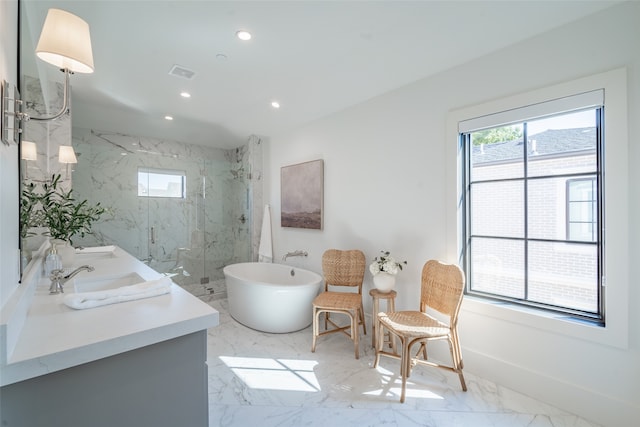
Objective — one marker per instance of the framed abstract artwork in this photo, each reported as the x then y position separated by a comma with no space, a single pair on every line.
301,198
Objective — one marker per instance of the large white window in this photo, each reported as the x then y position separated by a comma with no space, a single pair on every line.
533,193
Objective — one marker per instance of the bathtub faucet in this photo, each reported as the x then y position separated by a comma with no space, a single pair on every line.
299,252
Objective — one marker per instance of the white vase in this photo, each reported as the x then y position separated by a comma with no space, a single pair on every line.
384,282
66,251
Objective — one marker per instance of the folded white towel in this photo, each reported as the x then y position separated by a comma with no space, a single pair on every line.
148,289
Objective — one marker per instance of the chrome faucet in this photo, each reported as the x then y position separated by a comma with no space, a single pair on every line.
299,252
58,279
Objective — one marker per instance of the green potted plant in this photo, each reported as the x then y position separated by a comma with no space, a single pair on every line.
57,209
64,215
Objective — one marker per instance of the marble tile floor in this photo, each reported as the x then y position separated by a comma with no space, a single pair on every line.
269,380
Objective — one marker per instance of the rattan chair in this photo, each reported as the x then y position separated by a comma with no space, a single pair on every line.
340,269
441,290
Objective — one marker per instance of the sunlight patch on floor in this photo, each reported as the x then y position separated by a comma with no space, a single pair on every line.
274,374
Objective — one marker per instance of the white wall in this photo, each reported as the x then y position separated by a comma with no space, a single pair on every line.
385,188
9,255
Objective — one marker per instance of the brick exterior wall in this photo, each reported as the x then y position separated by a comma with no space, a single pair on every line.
563,274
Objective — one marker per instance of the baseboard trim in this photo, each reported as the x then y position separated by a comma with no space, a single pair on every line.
588,404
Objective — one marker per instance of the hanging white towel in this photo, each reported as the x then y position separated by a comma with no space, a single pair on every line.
265,250
148,289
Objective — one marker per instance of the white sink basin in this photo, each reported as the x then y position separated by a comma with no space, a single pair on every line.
87,284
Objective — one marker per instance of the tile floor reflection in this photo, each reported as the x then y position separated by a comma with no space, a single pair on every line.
268,380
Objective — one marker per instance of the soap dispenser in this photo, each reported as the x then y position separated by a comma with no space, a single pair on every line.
52,262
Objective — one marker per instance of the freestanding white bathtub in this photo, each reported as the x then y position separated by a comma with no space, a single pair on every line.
271,297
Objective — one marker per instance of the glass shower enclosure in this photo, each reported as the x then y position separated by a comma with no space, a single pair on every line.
184,210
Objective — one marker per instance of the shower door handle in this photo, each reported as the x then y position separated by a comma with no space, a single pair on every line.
153,235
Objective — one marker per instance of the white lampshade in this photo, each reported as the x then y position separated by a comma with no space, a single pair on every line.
65,42
66,154
28,150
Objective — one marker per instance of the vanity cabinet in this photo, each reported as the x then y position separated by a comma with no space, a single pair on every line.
137,363
163,384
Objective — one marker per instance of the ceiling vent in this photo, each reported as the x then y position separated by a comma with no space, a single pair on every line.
182,72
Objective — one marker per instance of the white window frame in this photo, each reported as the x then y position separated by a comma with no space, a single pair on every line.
616,222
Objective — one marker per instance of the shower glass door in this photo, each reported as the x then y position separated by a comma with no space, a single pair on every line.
175,229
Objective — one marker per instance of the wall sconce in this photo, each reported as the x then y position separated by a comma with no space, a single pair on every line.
28,153
65,42
11,114
67,155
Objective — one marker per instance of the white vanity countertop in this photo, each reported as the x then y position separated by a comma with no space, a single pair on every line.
56,337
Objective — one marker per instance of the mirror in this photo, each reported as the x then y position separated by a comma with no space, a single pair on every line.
186,210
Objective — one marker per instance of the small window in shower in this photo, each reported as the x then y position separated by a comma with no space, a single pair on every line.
161,183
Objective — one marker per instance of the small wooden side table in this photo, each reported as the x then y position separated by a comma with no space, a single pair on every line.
390,297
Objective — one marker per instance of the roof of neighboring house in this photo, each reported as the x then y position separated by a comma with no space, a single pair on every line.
551,142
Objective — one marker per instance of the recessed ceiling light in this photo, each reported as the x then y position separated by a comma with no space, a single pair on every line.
168,118
221,57
243,35
185,94
275,104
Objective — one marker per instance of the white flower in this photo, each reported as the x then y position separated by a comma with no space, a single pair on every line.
391,267
385,263
374,268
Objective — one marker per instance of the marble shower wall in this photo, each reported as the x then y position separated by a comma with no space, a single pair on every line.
250,157
194,237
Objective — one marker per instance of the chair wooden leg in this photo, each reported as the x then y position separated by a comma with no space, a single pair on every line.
316,315
463,384
378,331
456,355
374,322
355,332
456,342
405,361
392,343
411,361
376,359
364,325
